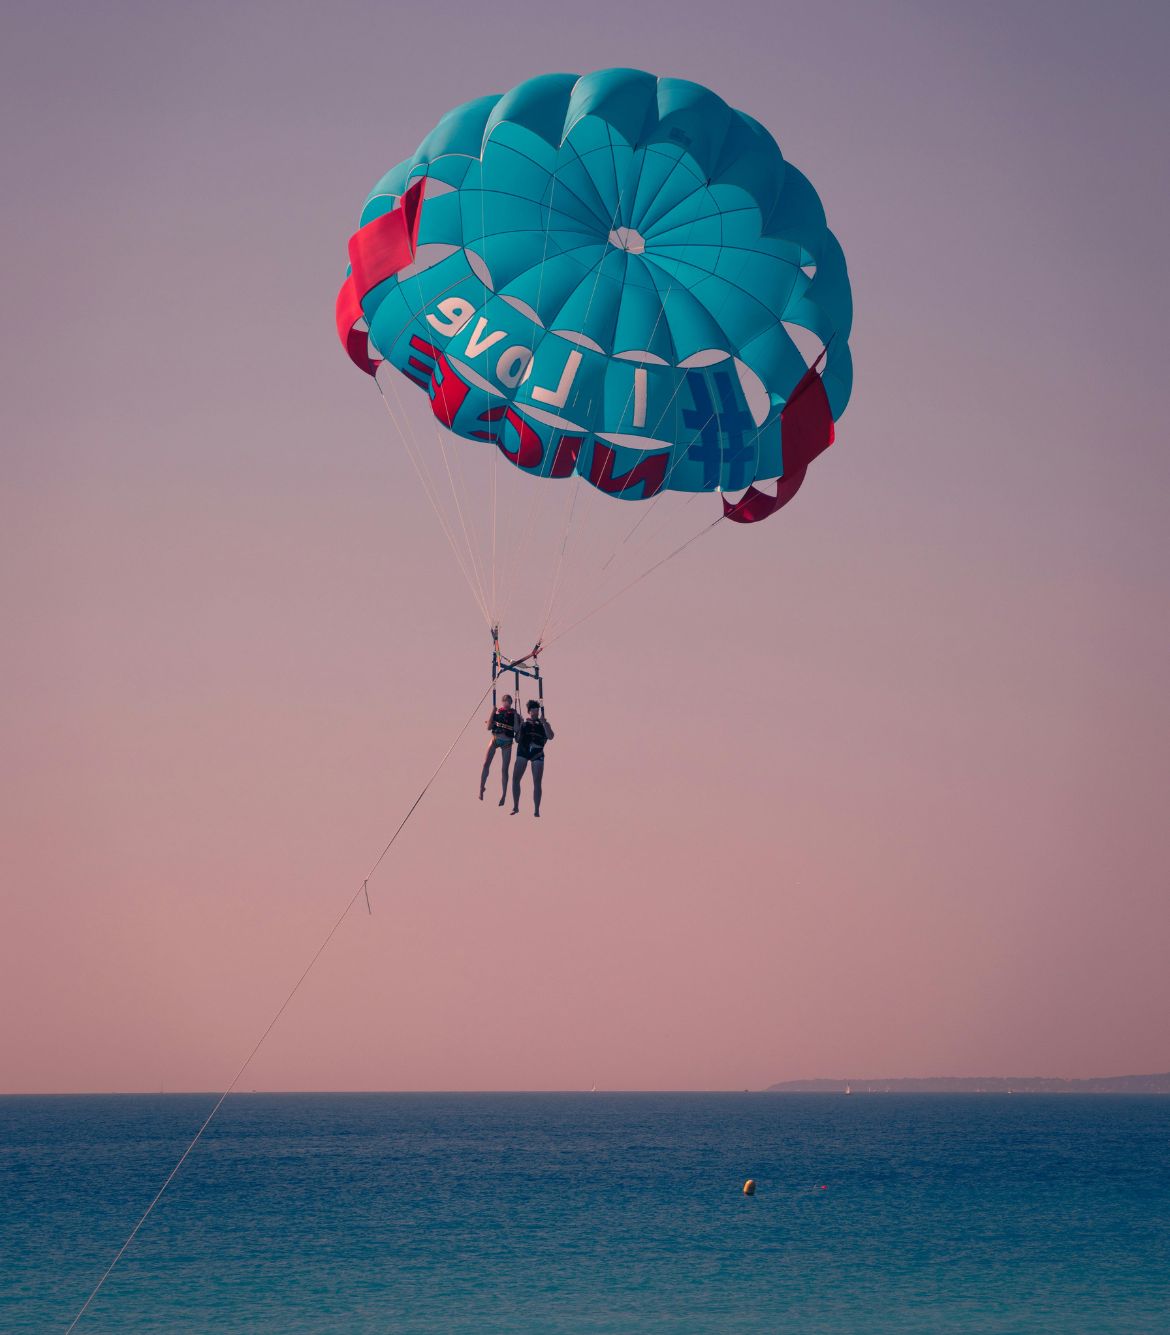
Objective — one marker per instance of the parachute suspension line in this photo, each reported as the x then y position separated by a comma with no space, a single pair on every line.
561,629
556,581
566,529
630,396
471,565
458,489
679,454
353,899
649,536
471,539
519,546
463,510
641,520
571,509
678,457
539,501
507,553
428,486
410,445
494,466
654,330
521,541
560,634
521,531
484,557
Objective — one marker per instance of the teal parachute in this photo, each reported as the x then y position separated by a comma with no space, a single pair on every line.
610,278
606,276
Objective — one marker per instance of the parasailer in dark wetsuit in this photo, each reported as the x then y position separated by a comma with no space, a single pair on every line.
502,723
534,733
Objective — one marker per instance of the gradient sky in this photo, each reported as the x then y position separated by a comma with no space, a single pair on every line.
877,788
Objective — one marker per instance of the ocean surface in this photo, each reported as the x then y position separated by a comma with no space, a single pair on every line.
591,1213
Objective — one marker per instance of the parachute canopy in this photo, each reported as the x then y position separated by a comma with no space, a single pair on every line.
607,277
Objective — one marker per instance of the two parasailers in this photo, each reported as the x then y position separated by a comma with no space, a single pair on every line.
530,736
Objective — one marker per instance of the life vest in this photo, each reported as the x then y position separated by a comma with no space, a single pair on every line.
532,740
504,723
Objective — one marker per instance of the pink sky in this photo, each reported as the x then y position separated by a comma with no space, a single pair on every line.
876,789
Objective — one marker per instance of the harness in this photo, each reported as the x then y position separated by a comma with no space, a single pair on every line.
528,666
532,740
504,724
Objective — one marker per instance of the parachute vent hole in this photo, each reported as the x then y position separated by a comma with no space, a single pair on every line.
626,238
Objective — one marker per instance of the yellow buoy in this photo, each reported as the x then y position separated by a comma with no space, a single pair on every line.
749,1187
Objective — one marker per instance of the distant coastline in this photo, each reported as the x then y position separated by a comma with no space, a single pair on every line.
991,1084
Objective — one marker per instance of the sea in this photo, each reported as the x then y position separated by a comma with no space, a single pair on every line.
588,1213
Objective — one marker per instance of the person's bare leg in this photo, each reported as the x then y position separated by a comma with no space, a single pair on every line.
537,778
487,764
517,775
505,765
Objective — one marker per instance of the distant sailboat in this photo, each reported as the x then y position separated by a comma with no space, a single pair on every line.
848,1090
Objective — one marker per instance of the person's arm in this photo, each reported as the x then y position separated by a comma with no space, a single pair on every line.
548,732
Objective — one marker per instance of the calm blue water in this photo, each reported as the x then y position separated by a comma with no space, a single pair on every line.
590,1213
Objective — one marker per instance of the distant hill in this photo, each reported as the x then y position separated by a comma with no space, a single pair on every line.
979,1084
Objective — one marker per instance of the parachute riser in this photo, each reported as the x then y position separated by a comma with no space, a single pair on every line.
519,667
